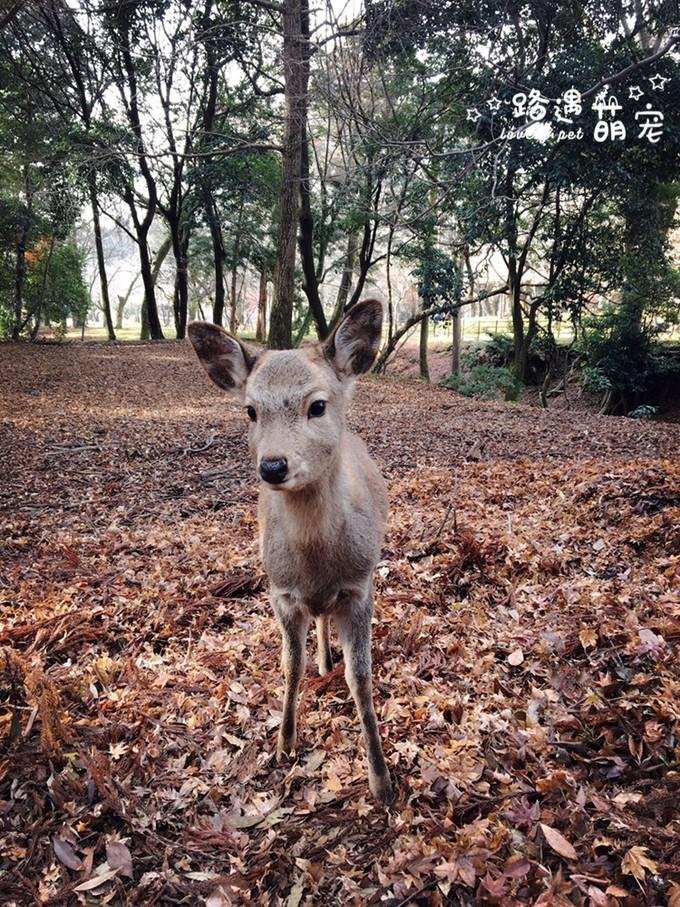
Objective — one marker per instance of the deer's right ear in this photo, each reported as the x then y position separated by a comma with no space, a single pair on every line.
226,360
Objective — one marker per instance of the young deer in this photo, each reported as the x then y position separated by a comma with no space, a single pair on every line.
322,506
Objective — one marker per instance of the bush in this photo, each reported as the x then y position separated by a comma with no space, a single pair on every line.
487,382
595,380
624,359
500,349
54,288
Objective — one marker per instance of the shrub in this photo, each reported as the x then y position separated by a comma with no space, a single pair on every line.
595,380
624,359
500,349
486,381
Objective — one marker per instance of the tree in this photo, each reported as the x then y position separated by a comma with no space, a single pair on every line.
296,76
124,30
41,191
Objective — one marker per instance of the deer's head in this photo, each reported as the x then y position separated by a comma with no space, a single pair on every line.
295,399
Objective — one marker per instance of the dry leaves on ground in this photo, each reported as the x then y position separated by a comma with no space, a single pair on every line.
525,652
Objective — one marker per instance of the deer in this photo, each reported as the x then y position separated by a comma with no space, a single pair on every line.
322,503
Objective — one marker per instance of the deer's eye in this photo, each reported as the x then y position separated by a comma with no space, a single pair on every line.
318,408
252,415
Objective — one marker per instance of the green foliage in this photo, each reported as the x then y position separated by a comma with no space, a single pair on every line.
595,380
489,382
623,355
439,280
66,295
54,288
500,348
245,190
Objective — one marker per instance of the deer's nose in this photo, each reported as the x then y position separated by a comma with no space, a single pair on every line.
274,471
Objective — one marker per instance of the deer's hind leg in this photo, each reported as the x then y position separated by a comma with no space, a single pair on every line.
324,656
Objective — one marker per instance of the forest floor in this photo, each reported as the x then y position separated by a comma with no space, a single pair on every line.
525,653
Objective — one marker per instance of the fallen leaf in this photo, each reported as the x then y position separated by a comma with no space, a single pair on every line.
217,898
117,750
97,880
558,842
636,863
295,895
314,760
650,643
119,857
516,658
243,821
588,637
65,853
597,897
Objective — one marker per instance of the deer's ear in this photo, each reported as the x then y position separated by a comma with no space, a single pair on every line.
352,347
226,360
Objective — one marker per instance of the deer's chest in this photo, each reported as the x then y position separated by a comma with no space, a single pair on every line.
317,571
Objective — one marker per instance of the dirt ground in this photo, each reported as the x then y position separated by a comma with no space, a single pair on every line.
525,653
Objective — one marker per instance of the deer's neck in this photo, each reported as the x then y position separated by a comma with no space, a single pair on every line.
314,512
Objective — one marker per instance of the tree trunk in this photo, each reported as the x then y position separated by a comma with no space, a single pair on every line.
365,262
179,237
520,350
20,269
146,332
233,299
346,278
123,301
141,226
218,256
310,284
20,278
43,290
101,262
261,329
234,271
153,321
522,362
295,120
455,343
424,331
367,246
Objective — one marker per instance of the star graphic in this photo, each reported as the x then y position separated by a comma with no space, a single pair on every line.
658,81
473,114
635,92
494,104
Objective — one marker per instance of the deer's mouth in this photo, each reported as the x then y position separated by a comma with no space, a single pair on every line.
293,482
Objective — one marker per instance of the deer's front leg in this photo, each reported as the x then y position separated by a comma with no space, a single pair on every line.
354,630
293,625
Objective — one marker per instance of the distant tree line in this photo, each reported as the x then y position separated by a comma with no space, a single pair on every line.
319,152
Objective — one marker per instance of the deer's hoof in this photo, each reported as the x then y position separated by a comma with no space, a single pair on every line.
381,788
285,749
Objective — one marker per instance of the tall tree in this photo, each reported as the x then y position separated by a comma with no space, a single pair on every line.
124,29
296,74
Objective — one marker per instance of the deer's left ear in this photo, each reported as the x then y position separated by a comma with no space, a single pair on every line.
352,347
225,359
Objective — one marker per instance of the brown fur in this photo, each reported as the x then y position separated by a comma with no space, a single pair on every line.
321,529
